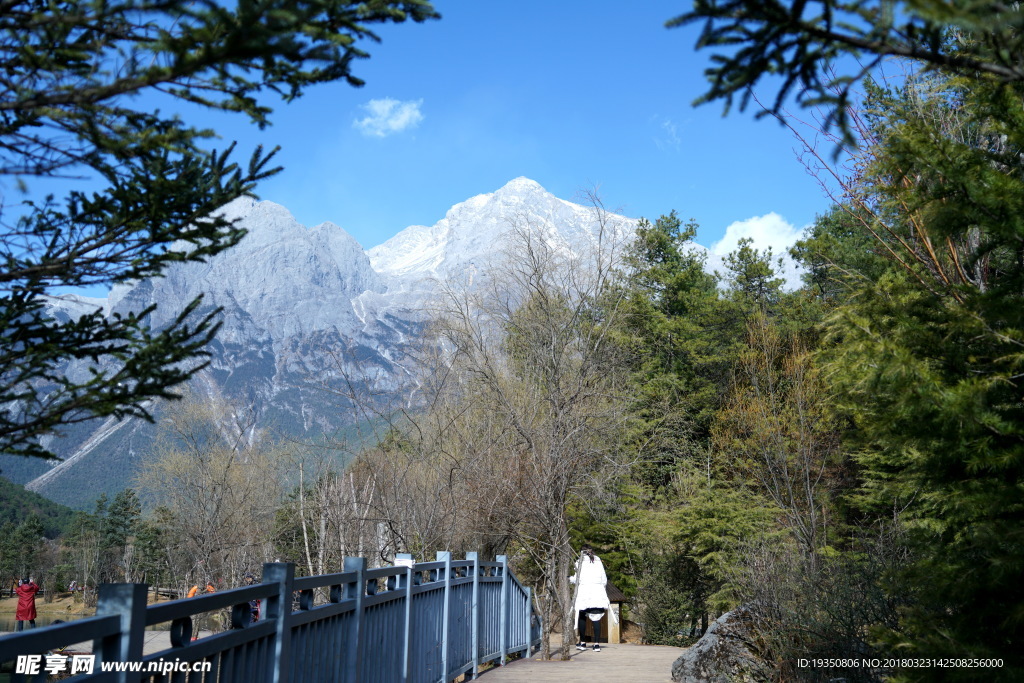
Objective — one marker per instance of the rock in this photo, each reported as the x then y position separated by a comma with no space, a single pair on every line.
728,652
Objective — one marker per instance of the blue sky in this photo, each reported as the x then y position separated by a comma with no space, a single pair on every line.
573,95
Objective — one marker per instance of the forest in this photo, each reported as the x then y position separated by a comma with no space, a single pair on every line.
844,459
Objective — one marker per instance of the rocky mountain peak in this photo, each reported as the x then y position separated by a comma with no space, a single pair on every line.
308,316
281,279
520,186
473,230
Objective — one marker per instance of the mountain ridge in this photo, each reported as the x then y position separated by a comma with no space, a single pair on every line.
307,316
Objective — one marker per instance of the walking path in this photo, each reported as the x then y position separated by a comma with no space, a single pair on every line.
622,662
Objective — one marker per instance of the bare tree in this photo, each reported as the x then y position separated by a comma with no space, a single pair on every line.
217,485
533,354
515,414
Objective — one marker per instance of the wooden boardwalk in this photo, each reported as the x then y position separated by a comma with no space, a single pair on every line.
625,663
622,662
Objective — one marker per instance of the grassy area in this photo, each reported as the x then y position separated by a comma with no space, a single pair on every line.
59,608
63,606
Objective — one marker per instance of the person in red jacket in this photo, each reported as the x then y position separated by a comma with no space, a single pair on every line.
27,589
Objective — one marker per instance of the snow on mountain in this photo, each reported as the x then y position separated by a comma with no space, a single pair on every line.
308,315
472,232
291,342
282,278
74,305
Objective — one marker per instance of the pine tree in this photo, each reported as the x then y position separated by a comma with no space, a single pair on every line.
754,288
680,363
928,355
27,546
940,401
801,44
838,255
118,526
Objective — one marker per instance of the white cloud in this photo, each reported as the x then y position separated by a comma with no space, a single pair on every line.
389,116
671,138
667,134
770,230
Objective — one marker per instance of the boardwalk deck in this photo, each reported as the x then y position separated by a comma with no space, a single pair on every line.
623,662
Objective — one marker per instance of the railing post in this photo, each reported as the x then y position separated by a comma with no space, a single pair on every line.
540,625
475,618
128,601
528,622
278,609
405,560
446,557
503,568
355,590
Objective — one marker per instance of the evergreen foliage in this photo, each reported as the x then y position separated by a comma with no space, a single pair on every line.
839,255
71,70
684,552
678,356
925,351
930,357
688,512
751,277
17,504
803,42
779,432
21,547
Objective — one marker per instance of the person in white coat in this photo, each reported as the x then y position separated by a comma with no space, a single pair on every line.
591,596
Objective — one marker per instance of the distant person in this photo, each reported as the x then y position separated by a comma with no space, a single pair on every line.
194,590
591,596
26,590
254,604
73,585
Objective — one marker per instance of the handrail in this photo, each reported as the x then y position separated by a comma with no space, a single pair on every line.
429,622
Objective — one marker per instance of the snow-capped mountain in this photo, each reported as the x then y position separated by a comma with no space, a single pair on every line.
467,236
282,280
307,315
